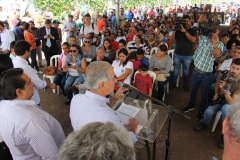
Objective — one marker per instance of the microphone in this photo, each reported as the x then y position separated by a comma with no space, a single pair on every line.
120,84
226,87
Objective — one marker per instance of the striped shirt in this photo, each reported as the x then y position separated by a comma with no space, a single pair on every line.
28,131
203,56
90,107
132,46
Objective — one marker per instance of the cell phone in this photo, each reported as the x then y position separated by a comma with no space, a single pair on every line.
69,65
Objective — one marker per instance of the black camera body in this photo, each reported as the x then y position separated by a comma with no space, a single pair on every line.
91,34
179,22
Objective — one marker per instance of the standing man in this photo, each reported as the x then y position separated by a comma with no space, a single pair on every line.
7,37
28,131
65,14
89,30
68,26
102,23
16,20
129,15
209,49
48,14
48,35
184,40
22,50
122,17
38,42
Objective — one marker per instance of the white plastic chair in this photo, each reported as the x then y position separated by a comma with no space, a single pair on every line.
153,75
153,51
218,115
55,57
171,51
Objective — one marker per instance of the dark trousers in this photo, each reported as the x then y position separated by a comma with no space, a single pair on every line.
5,152
34,59
48,53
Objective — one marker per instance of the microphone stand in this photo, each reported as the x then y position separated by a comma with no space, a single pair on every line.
171,112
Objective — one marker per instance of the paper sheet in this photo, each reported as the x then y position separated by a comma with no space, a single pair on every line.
225,65
126,112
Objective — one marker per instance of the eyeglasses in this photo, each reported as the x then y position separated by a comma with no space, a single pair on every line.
87,41
74,51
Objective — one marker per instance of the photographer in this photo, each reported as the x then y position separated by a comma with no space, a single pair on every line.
209,49
184,40
89,30
226,91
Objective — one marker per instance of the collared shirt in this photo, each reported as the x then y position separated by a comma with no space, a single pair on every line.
69,24
203,56
7,37
19,62
92,28
28,131
90,107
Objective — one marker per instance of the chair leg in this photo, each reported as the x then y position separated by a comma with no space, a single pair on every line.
168,87
51,80
163,98
58,90
178,80
218,115
181,70
156,85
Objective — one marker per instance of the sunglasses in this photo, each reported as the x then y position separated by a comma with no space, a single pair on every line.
74,51
87,41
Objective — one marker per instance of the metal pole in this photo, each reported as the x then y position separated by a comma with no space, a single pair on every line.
117,12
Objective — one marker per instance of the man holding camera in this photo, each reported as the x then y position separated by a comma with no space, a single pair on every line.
227,89
89,30
209,49
184,40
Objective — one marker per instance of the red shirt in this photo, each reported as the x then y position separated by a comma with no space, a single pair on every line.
143,83
151,13
115,45
100,25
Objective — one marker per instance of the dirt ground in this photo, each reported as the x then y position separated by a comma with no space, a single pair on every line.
186,144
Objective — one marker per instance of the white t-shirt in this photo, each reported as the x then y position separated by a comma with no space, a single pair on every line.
120,70
89,29
119,38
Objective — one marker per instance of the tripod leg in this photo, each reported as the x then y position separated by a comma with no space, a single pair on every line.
148,150
154,149
168,141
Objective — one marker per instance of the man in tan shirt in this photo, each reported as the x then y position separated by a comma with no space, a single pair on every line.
122,17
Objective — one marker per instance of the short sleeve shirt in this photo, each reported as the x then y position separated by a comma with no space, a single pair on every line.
120,70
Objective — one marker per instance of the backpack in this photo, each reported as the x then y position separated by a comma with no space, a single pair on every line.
84,27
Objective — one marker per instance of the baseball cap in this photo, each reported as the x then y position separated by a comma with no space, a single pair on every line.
56,21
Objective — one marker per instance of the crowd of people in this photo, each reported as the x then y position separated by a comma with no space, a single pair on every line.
93,56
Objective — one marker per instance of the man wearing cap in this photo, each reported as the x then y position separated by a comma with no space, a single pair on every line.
59,42
38,42
48,35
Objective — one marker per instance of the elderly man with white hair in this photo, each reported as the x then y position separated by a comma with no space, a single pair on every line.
93,106
98,141
231,132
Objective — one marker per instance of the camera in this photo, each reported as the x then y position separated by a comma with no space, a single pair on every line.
179,21
91,34
69,64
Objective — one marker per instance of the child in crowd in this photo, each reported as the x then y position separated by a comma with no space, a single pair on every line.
12,52
143,82
133,59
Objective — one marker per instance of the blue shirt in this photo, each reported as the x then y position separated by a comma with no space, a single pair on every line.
129,16
145,61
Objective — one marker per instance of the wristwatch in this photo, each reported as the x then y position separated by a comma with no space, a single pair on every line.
227,92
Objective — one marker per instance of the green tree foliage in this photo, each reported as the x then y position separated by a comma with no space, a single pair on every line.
57,6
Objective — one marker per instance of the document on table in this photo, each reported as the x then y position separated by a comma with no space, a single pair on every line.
225,65
126,112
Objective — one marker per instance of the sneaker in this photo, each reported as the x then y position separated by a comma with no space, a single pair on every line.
40,72
200,116
68,102
188,108
200,127
72,88
221,142
186,88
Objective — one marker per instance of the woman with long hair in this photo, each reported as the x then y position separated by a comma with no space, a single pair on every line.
29,37
75,66
120,35
109,51
106,34
138,43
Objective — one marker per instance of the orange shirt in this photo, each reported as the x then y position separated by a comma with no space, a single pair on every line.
100,25
30,39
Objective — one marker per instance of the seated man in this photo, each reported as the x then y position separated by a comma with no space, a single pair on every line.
226,92
98,141
231,132
28,131
93,106
100,52
72,38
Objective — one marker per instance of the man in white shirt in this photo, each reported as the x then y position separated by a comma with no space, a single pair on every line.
28,131
93,105
22,50
88,28
48,14
7,37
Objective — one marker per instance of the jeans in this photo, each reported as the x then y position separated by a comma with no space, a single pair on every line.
34,59
185,61
58,81
161,88
71,81
212,110
205,80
